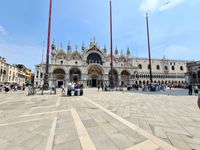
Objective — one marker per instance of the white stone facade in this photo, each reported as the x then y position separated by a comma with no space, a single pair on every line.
10,73
91,67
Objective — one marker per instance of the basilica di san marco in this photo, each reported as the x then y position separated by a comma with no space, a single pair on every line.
90,66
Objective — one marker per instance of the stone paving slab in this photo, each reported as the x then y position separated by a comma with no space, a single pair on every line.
107,121
157,114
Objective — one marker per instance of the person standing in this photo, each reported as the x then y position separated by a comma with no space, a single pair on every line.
190,89
63,88
199,98
196,90
98,87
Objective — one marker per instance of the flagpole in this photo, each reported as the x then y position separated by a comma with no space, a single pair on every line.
149,48
111,48
46,77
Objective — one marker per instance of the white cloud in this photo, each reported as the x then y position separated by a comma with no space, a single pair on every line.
15,53
2,30
159,5
180,52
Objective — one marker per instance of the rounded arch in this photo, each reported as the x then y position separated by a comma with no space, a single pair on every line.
173,68
76,56
140,66
166,68
58,71
122,59
94,58
158,67
181,68
59,77
125,77
75,74
95,75
61,54
194,77
198,74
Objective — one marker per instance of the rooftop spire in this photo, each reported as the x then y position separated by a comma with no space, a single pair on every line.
128,52
116,51
104,49
69,46
83,46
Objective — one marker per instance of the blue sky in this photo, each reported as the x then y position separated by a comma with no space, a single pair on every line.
174,28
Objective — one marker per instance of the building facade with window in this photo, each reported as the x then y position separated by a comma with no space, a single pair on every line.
3,70
11,74
193,72
91,66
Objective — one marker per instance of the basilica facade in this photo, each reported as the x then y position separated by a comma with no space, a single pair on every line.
91,67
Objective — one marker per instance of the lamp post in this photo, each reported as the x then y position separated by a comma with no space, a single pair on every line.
46,76
111,49
149,48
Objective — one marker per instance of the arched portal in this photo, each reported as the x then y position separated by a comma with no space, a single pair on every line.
94,58
198,76
74,75
125,77
115,77
95,76
194,77
59,77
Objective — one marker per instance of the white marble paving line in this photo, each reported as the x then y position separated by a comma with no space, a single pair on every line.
146,145
56,105
45,113
58,102
149,136
84,137
50,141
11,101
19,122
33,108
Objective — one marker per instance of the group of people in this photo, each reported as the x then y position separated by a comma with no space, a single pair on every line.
193,88
11,87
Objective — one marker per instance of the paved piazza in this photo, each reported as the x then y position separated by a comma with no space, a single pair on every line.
99,120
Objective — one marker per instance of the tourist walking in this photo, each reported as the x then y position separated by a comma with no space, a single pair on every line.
23,87
15,88
63,88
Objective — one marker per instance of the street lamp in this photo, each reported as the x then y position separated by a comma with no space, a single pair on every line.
46,76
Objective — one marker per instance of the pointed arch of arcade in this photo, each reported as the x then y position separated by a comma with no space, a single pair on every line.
75,75
115,76
59,77
95,75
125,77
